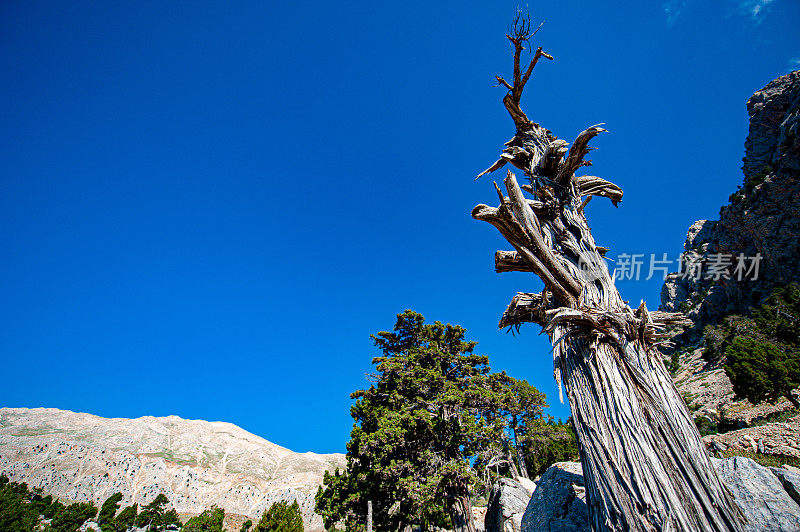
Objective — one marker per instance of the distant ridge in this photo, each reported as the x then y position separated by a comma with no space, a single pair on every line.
195,463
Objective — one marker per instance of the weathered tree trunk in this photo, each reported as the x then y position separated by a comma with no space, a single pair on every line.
461,512
645,465
523,469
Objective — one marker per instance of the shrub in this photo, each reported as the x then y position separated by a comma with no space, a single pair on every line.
760,371
72,517
281,517
548,442
208,521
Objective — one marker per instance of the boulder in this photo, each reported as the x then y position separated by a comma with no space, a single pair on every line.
760,494
768,497
507,502
790,480
559,502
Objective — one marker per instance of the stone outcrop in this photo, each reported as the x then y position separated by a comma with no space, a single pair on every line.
559,502
763,216
760,494
767,496
507,503
196,464
790,480
781,438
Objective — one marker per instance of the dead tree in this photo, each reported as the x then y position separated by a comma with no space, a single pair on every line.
645,465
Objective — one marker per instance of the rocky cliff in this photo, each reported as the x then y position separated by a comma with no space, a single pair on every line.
196,464
763,217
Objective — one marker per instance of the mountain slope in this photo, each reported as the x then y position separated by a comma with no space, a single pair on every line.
762,219
195,463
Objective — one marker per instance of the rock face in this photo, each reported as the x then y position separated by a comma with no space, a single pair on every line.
559,502
767,496
507,502
760,494
781,438
763,216
790,481
196,464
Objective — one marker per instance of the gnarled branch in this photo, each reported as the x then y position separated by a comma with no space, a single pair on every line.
510,261
589,185
577,152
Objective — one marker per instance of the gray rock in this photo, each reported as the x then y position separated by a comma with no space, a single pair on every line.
559,502
790,480
762,217
768,497
507,503
760,495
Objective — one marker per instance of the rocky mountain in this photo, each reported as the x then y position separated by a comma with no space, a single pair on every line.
763,217
196,464
761,220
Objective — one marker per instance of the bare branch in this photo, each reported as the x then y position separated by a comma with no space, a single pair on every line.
589,185
584,203
499,192
539,53
510,261
503,82
524,308
499,163
577,152
530,224
503,219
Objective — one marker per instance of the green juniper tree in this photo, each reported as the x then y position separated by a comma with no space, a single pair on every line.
16,514
156,517
547,441
281,517
127,517
208,521
761,352
432,407
761,371
72,517
107,513
524,405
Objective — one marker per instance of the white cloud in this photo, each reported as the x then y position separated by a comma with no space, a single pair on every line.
673,8
754,7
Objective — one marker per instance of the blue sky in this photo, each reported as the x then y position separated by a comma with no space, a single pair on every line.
206,208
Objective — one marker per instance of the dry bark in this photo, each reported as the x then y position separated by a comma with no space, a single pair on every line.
645,465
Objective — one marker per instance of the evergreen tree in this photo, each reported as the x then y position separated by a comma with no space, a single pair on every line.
432,407
46,506
208,521
546,442
107,513
156,517
127,517
246,526
281,517
761,351
16,515
760,371
72,517
525,405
